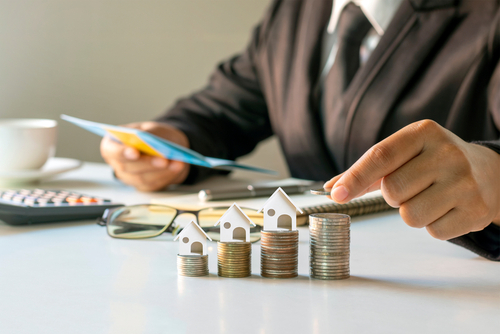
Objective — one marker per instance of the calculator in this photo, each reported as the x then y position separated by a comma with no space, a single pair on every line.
19,207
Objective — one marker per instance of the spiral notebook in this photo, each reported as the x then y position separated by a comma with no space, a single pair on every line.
369,203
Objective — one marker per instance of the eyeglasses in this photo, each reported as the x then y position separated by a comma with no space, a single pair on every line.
150,220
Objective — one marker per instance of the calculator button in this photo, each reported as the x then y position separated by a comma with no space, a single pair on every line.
73,200
30,200
18,198
88,200
7,196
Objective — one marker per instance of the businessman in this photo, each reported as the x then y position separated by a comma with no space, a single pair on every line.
397,95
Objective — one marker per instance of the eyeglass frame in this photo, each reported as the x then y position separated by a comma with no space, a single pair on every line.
171,228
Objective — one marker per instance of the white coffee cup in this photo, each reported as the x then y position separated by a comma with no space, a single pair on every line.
26,144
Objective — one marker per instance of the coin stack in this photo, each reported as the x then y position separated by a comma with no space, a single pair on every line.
329,245
234,259
279,254
192,265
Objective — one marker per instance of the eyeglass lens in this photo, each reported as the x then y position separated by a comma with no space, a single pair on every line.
140,221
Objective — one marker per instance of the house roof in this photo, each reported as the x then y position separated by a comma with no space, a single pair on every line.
235,207
282,192
195,226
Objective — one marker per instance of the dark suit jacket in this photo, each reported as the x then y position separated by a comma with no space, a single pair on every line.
437,60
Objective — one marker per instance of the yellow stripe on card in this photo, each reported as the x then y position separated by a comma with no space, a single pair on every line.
131,139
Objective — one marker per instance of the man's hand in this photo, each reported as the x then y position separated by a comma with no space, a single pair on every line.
437,180
144,172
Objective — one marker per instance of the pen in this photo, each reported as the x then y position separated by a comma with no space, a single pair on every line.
252,191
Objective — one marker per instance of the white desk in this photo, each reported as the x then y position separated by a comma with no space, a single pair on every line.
73,278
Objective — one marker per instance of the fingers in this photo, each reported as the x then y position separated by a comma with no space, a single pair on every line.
373,187
382,159
422,210
454,224
145,172
128,159
410,179
175,172
329,184
438,181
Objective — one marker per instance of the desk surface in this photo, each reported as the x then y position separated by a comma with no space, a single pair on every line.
73,278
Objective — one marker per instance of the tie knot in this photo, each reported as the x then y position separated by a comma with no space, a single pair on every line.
353,24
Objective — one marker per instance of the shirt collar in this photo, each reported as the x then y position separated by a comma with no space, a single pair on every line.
378,12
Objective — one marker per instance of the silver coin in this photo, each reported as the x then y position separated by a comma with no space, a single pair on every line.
328,242
329,233
329,215
343,238
270,259
319,226
329,229
321,191
271,262
191,261
291,245
279,234
277,271
330,252
330,246
330,266
320,263
287,250
329,259
332,278
328,255
326,221
279,243
325,234
329,271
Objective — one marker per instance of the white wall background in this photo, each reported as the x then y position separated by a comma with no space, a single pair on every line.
116,61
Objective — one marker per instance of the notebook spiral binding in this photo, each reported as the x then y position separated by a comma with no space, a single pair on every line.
353,208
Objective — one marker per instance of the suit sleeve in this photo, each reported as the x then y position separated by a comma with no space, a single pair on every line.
228,117
486,243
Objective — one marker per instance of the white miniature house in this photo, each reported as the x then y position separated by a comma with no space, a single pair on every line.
235,225
280,212
192,240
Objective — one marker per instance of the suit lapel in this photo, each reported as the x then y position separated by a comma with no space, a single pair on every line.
407,42
303,140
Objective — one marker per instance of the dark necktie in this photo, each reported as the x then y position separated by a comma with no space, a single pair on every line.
351,29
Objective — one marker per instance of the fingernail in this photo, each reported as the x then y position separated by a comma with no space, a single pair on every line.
130,153
159,162
339,194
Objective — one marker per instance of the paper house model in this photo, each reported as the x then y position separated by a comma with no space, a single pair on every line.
234,225
192,240
279,212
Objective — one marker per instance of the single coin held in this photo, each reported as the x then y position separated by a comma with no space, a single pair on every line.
321,191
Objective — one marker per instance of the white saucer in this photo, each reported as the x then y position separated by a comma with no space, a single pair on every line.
52,167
